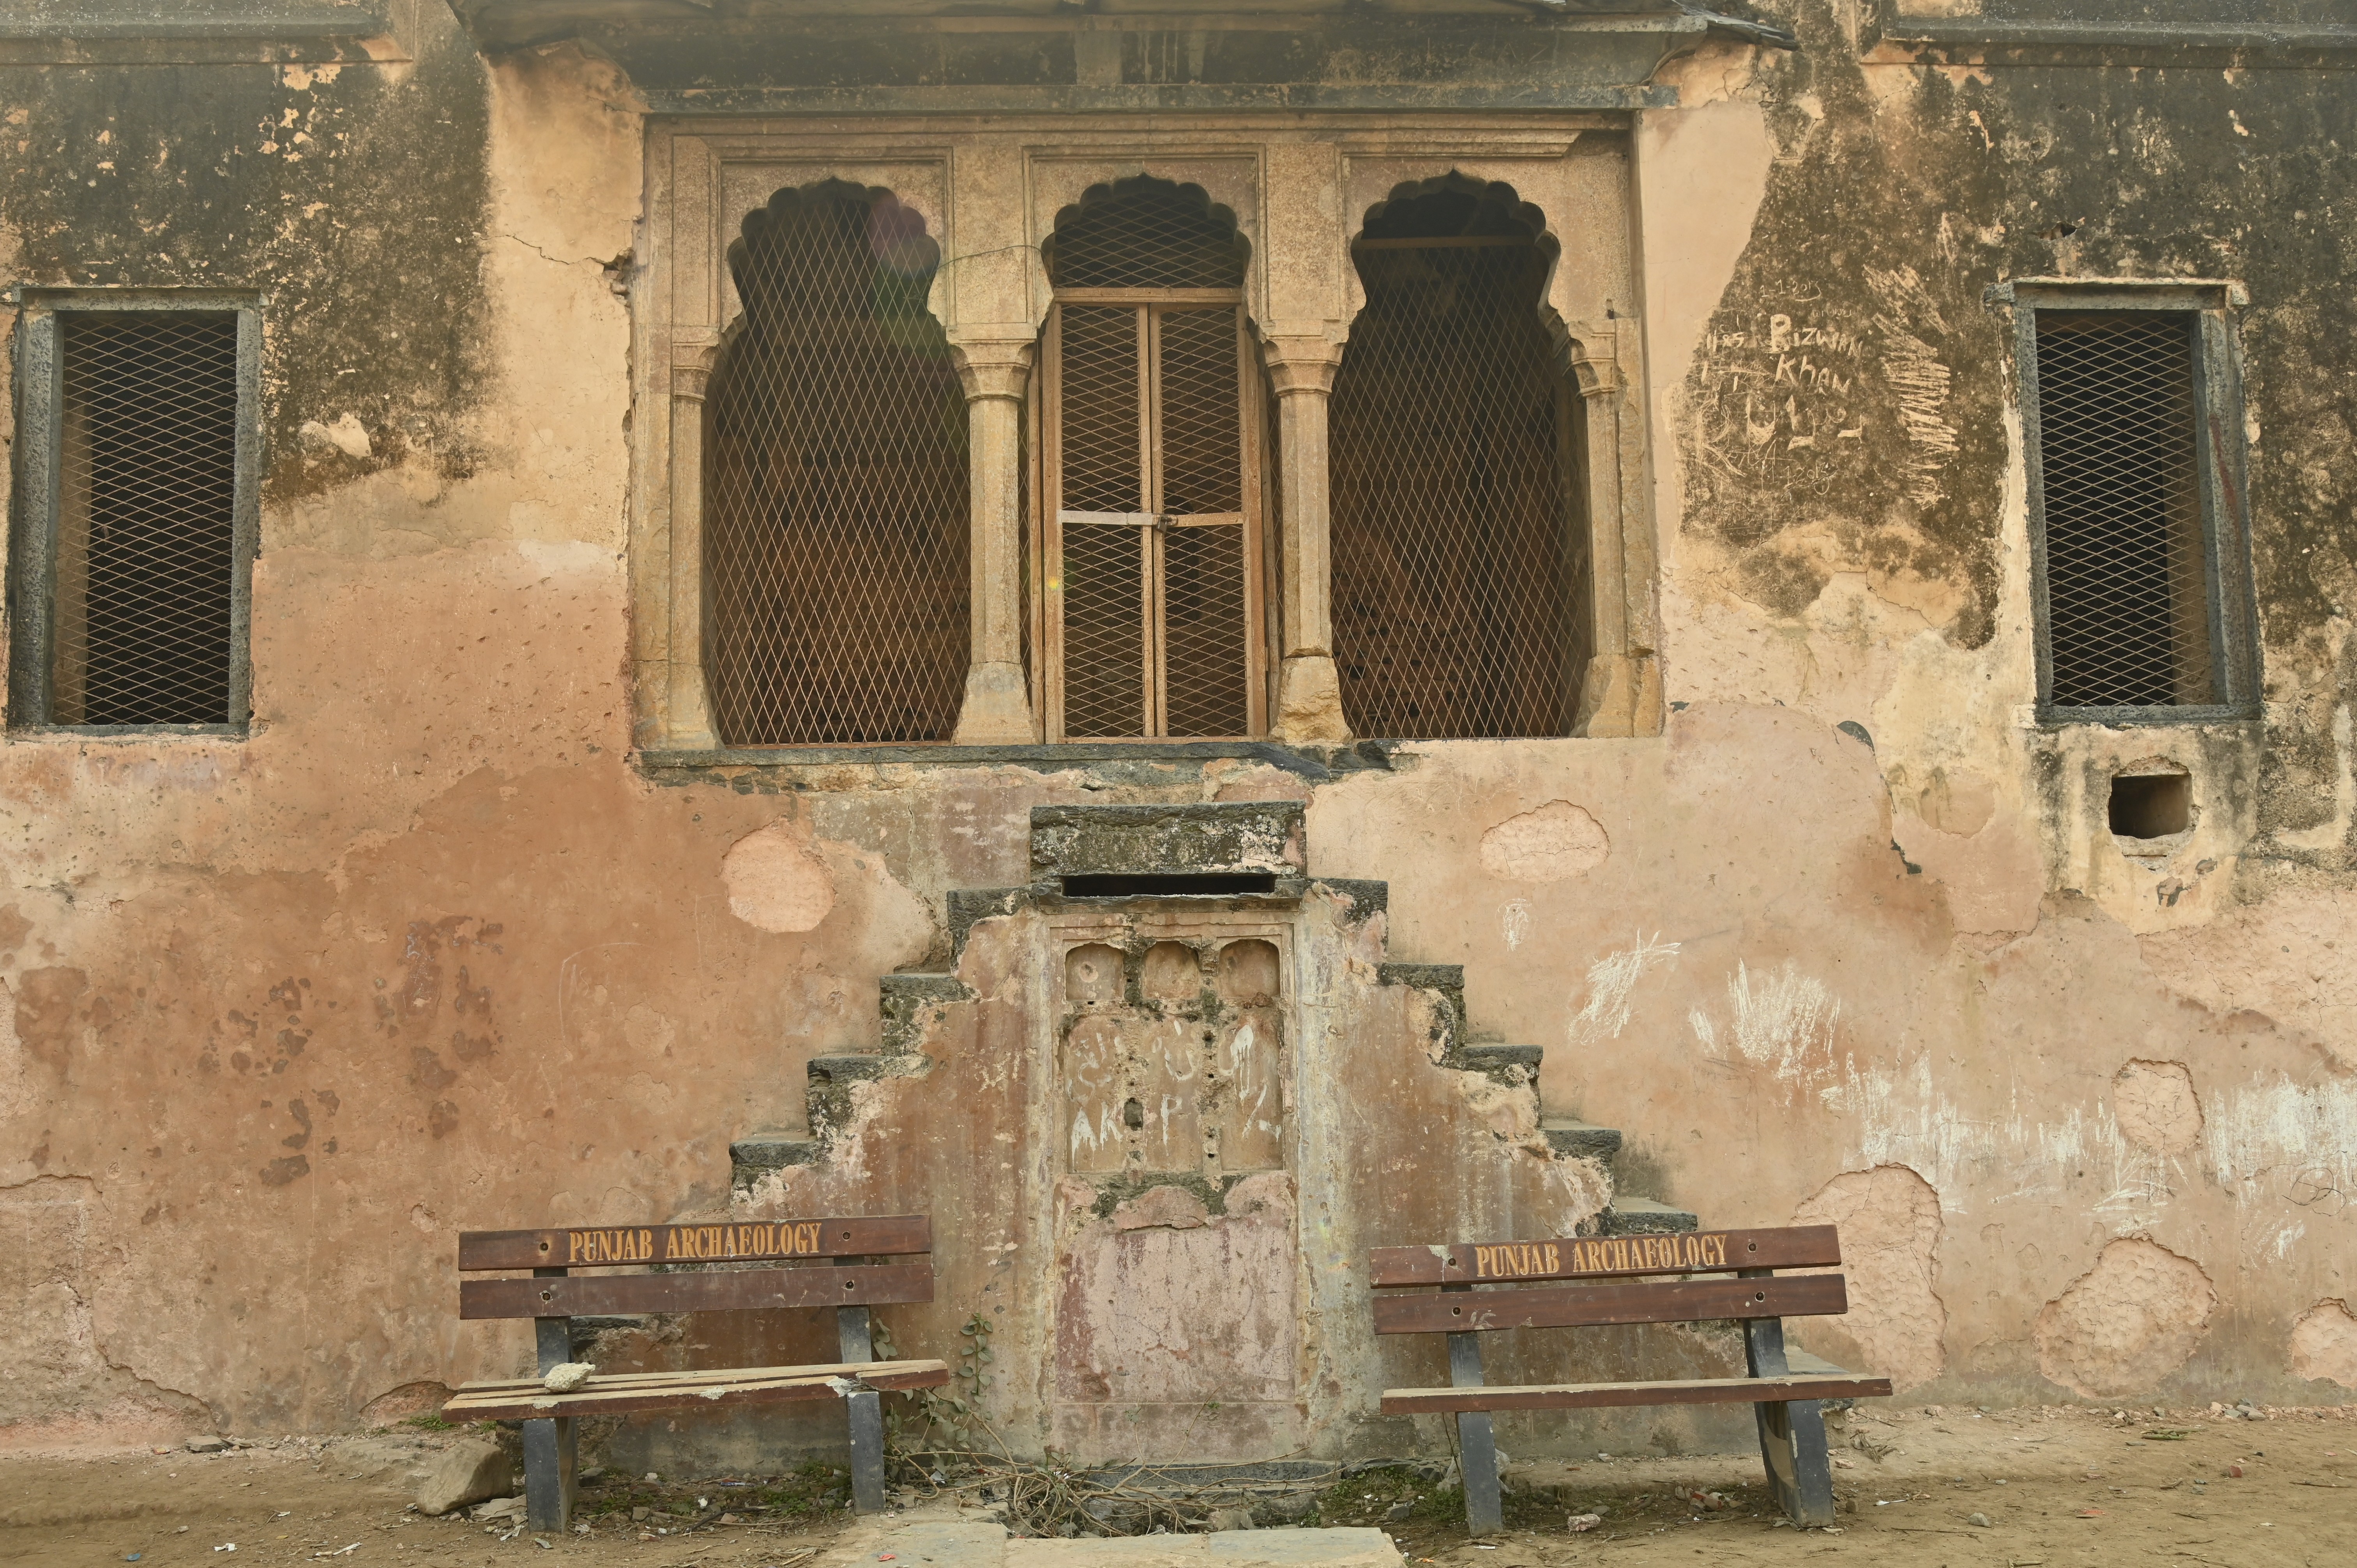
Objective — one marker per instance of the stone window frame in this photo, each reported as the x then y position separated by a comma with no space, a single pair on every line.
989,189
37,371
2222,465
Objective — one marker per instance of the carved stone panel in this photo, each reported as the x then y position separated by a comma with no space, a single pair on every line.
1172,1059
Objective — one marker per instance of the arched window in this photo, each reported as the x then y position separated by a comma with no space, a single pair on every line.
1151,530
1460,553
834,482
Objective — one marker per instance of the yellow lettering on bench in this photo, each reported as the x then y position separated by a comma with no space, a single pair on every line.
1553,1259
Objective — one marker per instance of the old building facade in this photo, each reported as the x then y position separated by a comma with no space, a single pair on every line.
1192,637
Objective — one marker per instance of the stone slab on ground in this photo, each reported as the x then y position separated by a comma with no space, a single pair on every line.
1223,1549
928,1545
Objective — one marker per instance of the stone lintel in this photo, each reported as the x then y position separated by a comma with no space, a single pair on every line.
1226,838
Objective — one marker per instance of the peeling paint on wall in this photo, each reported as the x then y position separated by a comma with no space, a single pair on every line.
2324,1344
1890,1226
2126,1323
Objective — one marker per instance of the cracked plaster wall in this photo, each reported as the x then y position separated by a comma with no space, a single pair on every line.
424,953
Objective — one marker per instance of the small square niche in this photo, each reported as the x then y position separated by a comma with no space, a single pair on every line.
2151,805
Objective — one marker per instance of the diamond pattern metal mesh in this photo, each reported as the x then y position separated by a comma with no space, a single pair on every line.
1457,571
1201,408
1103,469
146,538
1204,661
2128,574
1104,630
835,501
1143,233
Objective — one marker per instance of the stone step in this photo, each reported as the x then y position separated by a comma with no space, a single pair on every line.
1580,1140
1448,980
903,999
831,1077
1642,1216
756,1154
1513,1066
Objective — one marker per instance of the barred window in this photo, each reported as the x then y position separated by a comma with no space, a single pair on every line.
836,492
2138,556
1153,531
136,518
1460,558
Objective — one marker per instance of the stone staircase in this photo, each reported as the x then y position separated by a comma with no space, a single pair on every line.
1513,1065
906,999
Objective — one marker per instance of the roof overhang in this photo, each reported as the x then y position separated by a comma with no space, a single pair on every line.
197,32
1056,56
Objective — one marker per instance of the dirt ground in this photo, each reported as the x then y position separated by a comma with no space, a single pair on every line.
2057,1487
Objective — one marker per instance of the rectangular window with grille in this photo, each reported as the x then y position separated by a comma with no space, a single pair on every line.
136,512
2140,567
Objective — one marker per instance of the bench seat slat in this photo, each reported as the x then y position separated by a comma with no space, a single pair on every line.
733,1290
698,1378
1579,1306
604,1246
674,1391
1590,1396
1602,1257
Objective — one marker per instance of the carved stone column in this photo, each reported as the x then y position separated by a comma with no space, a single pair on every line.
1308,692
689,710
1620,693
997,706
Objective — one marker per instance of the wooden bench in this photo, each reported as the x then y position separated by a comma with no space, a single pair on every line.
1488,1286
813,1274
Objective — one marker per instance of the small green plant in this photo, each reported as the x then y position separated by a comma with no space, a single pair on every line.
430,1422
926,1425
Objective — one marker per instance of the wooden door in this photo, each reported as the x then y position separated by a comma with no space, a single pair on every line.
1152,591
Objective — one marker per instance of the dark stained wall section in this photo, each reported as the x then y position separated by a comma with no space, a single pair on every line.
1851,401
352,196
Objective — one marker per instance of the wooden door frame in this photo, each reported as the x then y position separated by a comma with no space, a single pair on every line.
1046,528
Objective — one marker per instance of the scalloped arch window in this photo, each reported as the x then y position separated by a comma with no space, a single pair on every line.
836,491
1460,559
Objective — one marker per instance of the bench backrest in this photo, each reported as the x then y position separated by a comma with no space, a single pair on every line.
1589,1281
805,1247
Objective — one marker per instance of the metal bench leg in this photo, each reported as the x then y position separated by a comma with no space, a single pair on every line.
549,1446
1485,1511
1792,1433
867,1413
548,1469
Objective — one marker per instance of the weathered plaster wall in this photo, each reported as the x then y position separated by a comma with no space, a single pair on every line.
426,952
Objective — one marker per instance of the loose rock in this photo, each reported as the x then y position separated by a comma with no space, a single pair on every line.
1232,1518
566,1376
467,1472
206,1444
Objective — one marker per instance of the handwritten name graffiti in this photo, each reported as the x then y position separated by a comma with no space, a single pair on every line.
1801,394
1605,1255
693,1243
1782,384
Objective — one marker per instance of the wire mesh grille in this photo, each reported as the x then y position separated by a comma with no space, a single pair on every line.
835,485
1456,566
1143,233
144,596
1101,423
1202,449
2127,571
1205,670
1104,630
